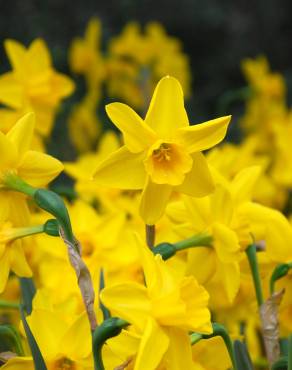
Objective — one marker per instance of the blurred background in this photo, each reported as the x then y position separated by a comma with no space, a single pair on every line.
216,35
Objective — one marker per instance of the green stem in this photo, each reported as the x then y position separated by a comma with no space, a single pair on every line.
150,235
200,240
279,272
167,250
108,329
6,304
195,338
20,232
219,330
9,333
253,263
290,352
13,182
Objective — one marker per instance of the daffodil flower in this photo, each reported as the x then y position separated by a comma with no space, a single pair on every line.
33,84
16,159
64,340
163,311
162,153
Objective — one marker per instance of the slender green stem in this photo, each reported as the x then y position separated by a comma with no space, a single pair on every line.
253,263
9,333
200,240
195,338
150,235
9,235
279,272
13,182
6,305
108,329
290,353
167,250
220,330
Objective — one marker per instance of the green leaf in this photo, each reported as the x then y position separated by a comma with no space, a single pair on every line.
27,291
38,359
106,313
242,357
281,364
10,340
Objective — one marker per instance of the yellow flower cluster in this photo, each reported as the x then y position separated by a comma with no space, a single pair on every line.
163,256
128,69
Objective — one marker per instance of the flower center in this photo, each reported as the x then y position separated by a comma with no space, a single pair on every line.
64,364
167,163
163,153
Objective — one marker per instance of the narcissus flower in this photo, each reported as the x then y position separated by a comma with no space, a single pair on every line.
162,153
64,340
16,159
163,311
33,84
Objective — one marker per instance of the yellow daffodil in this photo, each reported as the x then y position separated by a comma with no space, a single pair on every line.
85,57
33,84
64,339
162,153
137,60
17,159
163,311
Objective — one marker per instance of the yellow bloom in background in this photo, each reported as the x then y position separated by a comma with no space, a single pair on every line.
162,153
138,60
163,312
85,56
83,122
33,84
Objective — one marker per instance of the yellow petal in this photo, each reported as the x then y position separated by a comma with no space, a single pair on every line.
229,275
166,113
48,328
198,182
198,211
153,201
205,135
8,153
11,91
122,169
201,263
5,206
18,261
244,182
16,54
137,135
19,363
273,227
38,169
221,205
179,353
225,242
76,342
22,132
128,301
4,271
39,57
154,344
